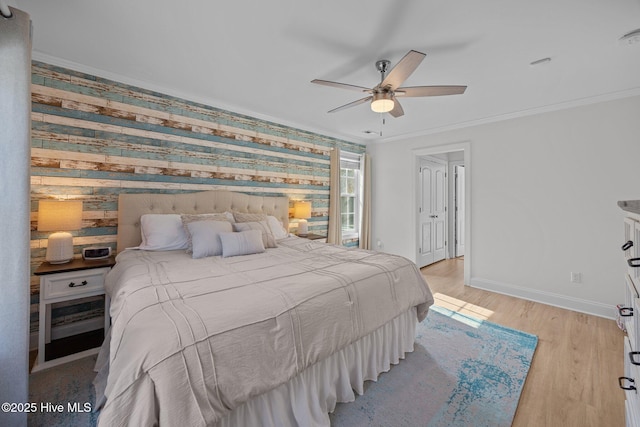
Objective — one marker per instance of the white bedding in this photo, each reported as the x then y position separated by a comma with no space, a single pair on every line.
193,339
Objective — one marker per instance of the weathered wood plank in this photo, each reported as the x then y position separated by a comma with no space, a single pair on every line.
193,158
117,109
83,124
126,184
84,161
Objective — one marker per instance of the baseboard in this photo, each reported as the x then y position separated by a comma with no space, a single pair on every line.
68,330
549,298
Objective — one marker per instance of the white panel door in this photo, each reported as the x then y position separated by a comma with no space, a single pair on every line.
432,215
425,230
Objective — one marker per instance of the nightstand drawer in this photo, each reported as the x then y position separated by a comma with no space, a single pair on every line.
74,283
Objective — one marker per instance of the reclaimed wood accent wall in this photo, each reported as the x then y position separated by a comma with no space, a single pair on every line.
93,138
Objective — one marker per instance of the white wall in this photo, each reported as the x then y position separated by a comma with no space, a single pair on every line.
543,201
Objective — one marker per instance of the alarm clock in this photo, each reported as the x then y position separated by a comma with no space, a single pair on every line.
96,252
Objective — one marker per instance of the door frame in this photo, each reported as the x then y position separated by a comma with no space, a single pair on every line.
453,203
465,147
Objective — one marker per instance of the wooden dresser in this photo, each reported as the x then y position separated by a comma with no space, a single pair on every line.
629,313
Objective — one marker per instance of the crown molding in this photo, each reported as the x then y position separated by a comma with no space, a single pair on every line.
518,114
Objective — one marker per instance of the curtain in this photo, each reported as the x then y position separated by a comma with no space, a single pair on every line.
334,234
15,209
365,198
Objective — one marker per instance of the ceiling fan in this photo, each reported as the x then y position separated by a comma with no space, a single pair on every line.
384,96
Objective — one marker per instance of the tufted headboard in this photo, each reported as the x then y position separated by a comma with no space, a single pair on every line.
132,206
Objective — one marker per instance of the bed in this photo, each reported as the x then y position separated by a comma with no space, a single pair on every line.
273,337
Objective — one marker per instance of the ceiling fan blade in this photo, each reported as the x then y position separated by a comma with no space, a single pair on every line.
429,91
341,85
403,69
397,109
352,104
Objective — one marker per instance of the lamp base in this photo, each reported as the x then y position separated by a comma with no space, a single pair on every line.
59,248
303,228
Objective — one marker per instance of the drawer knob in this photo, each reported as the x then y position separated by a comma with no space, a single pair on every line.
625,311
74,285
629,387
632,357
627,245
633,262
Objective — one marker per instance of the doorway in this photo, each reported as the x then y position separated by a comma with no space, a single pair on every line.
458,242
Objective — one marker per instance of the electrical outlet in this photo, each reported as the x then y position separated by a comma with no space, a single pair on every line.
576,277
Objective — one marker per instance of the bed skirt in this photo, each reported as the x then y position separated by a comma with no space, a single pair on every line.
308,398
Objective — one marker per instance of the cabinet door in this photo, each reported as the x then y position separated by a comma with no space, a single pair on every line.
631,372
629,230
633,253
631,315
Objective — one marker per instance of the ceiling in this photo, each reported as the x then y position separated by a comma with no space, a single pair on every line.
258,57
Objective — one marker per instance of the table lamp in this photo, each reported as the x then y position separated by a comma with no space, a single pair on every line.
302,211
60,216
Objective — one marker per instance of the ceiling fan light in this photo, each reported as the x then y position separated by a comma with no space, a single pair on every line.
382,102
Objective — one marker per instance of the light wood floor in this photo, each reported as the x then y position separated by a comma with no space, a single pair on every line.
573,379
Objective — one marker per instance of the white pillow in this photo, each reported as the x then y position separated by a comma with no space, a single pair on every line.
276,227
241,243
205,237
162,232
267,237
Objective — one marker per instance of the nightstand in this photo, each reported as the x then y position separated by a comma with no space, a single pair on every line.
66,282
312,236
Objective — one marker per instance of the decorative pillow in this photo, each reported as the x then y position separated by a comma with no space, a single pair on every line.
267,237
205,237
200,217
242,243
189,218
249,217
277,229
162,232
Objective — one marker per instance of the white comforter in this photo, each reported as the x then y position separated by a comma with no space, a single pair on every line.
193,339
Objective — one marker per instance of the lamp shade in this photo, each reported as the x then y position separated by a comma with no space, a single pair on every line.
59,215
302,210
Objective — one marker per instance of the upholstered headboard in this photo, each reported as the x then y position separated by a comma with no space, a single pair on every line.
132,206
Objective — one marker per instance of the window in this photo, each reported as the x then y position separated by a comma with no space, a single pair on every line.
350,194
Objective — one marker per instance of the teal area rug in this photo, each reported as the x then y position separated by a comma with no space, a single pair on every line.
463,372
64,395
